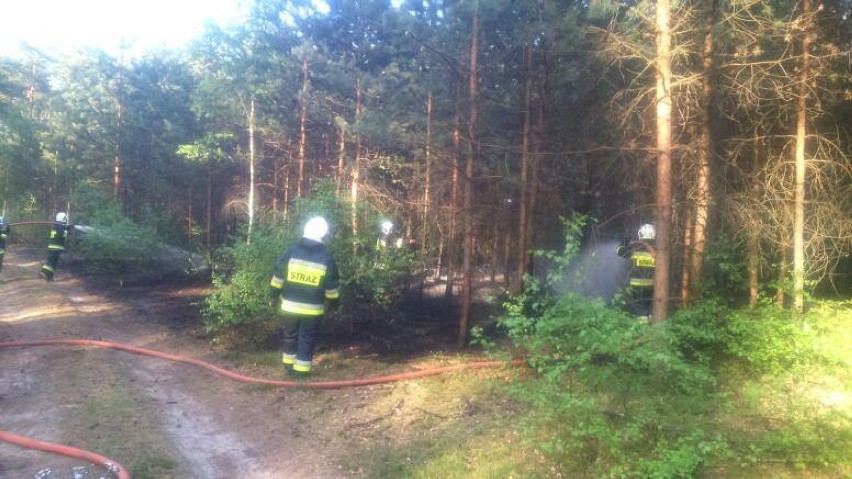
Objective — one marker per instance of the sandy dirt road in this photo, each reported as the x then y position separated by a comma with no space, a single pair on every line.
156,418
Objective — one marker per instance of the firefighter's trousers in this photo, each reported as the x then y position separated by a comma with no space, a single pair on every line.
49,267
299,336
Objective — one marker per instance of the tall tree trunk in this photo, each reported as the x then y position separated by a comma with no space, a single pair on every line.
251,171
427,181
341,157
507,255
753,267
209,207
356,167
276,170
705,154
664,163
467,284
190,199
287,175
303,121
454,199
518,283
754,231
538,147
801,137
688,250
116,161
782,269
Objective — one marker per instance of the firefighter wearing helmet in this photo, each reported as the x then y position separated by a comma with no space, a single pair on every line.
55,245
4,235
642,266
386,237
305,277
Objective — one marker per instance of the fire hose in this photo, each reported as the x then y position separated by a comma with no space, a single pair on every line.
102,461
121,473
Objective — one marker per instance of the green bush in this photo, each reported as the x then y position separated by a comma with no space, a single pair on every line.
614,397
244,269
241,297
114,245
713,388
768,339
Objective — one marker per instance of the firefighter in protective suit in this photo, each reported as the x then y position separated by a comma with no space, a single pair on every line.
55,245
305,277
642,266
386,238
4,235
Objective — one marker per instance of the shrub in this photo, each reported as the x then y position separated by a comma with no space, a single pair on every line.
113,244
613,396
244,269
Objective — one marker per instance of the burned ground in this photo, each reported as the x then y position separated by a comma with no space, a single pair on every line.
166,420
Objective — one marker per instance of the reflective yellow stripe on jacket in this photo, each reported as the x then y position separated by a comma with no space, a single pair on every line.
305,309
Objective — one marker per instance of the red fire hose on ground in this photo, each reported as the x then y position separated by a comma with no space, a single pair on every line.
102,461
121,473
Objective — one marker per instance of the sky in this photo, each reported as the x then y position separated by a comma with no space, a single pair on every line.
62,26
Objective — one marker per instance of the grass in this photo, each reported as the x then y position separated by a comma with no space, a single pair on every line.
119,425
460,425
790,422
792,419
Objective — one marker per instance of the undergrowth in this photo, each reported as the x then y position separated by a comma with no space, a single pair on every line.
237,310
713,391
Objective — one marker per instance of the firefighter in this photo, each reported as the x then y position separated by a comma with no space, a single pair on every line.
386,237
642,266
55,245
4,235
305,277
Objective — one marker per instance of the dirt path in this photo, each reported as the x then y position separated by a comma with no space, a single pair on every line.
158,419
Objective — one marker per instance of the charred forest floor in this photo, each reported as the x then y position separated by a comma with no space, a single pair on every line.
169,420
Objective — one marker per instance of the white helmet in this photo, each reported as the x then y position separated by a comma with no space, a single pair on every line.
387,227
316,229
61,217
647,232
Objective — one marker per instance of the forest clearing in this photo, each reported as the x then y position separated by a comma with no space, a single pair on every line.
164,420
419,239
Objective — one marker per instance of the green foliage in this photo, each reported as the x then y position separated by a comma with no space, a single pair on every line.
768,340
726,275
682,458
241,297
114,245
616,398
611,392
245,269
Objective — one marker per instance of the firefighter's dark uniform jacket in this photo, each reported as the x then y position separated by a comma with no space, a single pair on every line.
58,237
642,262
55,247
4,235
305,276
